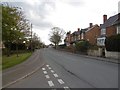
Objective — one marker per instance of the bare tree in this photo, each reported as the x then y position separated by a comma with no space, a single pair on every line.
56,35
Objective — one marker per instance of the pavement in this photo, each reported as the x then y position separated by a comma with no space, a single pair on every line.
23,70
111,60
66,70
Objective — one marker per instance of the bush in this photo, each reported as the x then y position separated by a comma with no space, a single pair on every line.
112,43
82,46
62,46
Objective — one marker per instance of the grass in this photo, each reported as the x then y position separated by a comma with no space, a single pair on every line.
13,60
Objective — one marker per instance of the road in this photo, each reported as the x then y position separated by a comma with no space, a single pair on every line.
66,70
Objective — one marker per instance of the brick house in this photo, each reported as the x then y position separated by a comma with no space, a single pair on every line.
117,24
108,28
92,33
72,37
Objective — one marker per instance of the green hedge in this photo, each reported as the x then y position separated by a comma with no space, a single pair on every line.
82,46
112,43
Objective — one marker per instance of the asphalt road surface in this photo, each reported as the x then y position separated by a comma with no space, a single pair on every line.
67,70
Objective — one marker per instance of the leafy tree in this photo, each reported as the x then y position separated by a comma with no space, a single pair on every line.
14,26
56,35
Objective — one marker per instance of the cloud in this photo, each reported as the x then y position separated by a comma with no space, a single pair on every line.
74,2
36,11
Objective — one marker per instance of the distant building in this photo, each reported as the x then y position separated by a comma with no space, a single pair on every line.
90,34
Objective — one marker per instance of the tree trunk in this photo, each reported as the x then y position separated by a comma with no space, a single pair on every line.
55,45
8,49
17,49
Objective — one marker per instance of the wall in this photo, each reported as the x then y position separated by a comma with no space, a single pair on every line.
114,55
92,35
97,53
112,30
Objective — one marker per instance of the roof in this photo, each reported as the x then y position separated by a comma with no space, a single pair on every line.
110,22
88,29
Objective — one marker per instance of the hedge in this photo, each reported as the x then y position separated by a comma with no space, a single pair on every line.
82,46
112,43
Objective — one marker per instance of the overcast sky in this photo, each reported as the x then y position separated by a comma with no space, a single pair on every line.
66,14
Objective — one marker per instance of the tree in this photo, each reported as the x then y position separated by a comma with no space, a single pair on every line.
56,35
14,25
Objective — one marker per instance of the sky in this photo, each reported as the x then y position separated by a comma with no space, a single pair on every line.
66,14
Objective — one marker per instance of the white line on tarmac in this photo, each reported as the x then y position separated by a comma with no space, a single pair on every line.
66,88
45,72
60,81
50,83
55,75
47,76
47,65
43,68
49,68
52,71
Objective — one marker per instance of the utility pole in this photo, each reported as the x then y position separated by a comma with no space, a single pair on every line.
31,38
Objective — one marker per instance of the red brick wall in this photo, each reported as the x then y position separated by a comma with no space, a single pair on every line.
112,30
92,35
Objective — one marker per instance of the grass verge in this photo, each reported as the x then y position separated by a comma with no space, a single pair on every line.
13,60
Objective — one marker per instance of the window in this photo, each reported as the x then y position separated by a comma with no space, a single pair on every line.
103,31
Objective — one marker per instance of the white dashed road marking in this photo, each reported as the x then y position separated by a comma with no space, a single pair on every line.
47,76
43,68
52,71
49,68
55,75
47,65
50,83
66,88
45,72
60,81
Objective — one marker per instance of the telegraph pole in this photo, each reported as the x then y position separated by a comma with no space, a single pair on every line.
31,38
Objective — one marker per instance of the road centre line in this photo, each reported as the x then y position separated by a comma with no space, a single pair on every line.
55,75
60,81
49,68
66,88
45,72
43,68
50,83
52,71
47,65
47,76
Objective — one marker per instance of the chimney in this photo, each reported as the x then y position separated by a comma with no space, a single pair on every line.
104,18
78,29
90,25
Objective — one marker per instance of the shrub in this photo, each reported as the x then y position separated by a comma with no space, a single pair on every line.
112,43
82,46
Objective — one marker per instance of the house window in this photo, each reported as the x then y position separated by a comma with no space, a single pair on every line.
103,31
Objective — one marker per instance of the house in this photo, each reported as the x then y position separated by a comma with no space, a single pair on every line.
117,24
91,34
68,38
109,27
